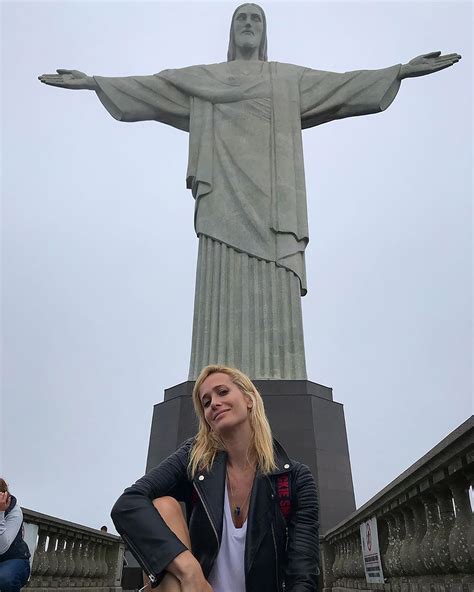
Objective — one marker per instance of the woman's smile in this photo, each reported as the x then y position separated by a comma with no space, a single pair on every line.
220,413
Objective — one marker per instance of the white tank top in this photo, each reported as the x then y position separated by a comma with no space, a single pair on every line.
228,572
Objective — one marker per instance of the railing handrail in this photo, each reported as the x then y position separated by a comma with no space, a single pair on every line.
38,517
416,473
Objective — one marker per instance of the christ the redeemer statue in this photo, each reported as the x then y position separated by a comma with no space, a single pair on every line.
245,171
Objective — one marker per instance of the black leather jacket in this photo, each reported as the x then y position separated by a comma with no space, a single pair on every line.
278,555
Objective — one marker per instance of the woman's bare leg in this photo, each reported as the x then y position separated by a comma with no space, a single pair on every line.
171,512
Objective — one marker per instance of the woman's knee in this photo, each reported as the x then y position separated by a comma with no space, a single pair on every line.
168,507
172,514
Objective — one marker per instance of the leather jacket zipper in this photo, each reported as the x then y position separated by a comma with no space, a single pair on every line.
274,541
207,512
276,559
139,558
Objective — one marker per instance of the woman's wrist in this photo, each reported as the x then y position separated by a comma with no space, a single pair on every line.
185,567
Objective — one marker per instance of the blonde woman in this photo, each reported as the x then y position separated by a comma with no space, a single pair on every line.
236,483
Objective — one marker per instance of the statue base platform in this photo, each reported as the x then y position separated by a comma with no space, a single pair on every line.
304,419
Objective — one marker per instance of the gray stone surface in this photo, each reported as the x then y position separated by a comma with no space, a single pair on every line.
245,171
424,524
71,557
303,417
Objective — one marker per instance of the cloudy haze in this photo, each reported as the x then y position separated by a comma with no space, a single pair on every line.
99,252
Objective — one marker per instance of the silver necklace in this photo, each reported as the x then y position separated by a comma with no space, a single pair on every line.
236,509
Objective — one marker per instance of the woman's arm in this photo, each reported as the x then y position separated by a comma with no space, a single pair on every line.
10,524
149,538
302,569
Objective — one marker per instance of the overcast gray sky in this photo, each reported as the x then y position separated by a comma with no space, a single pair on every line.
99,252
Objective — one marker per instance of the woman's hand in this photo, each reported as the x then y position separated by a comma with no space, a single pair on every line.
72,79
186,568
4,501
195,584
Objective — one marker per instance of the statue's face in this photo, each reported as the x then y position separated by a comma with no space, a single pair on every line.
248,27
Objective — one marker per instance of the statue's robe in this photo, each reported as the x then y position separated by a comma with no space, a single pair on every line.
245,170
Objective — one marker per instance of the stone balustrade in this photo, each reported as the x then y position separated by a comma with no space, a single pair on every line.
425,527
70,557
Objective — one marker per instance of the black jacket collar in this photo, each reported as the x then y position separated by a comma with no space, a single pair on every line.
211,486
282,461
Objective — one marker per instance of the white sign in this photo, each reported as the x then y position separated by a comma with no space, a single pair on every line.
371,552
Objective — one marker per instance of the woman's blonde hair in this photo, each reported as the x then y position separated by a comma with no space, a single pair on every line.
208,443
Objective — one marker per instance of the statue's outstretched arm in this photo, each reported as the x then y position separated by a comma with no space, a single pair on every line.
427,64
130,98
71,79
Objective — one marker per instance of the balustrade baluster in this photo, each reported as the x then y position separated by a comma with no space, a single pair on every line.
470,478
92,547
77,556
61,555
392,557
441,542
359,558
470,535
96,562
352,571
328,557
85,562
337,563
40,560
104,567
350,560
102,549
52,558
356,557
349,573
406,548
400,534
458,538
432,527
419,515
335,559
344,561
69,552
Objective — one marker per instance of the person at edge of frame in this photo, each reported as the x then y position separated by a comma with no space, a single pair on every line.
14,552
235,538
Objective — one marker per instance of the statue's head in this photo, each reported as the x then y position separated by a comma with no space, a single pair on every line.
248,30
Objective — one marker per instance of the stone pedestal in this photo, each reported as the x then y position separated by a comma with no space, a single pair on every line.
304,419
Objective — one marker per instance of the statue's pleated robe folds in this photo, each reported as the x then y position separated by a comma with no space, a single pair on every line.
245,170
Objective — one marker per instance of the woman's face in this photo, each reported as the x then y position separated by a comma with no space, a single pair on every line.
225,407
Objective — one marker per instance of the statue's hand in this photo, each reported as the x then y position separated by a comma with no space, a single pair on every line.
72,79
427,64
